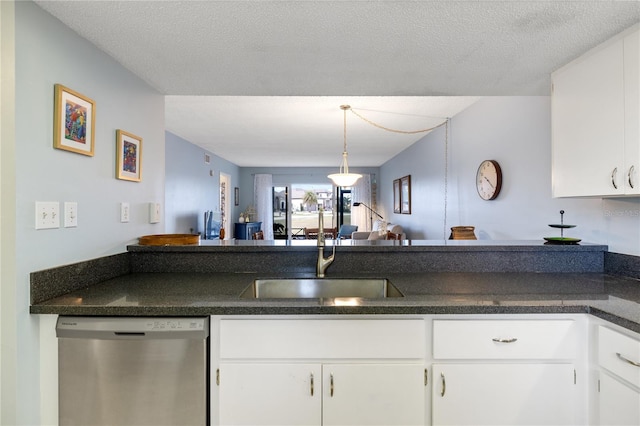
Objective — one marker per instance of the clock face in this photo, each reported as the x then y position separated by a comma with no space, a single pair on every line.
489,180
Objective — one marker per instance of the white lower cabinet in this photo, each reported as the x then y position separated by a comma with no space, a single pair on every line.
270,394
619,377
311,371
373,394
503,394
538,369
322,394
619,403
504,372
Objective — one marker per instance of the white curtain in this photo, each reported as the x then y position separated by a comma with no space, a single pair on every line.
361,193
262,199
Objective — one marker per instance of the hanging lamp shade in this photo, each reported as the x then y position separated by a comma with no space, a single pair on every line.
343,177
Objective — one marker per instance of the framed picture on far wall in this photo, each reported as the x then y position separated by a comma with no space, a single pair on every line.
405,194
128,156
74,121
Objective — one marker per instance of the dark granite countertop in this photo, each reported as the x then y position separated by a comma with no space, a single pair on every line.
349,245
613,298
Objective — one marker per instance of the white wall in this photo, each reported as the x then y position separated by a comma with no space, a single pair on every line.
7,215
516,132
47,53
192,186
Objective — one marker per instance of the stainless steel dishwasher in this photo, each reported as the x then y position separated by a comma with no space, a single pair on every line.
133,371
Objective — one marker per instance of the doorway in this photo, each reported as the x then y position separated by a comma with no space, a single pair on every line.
296,208
225,204
281,212
344,206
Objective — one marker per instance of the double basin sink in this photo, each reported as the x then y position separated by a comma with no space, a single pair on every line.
321,288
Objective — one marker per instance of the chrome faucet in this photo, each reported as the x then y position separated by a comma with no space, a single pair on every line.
323,262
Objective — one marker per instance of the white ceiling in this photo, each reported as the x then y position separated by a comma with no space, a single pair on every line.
260,83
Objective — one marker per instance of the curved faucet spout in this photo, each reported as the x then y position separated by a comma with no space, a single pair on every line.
324,262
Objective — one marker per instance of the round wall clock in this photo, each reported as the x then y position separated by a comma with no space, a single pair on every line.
489,180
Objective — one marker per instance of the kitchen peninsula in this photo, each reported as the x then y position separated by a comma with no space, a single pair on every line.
436,277
550,317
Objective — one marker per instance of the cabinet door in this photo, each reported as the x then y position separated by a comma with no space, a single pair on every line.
503,394
588,125
632,113
373,394
270,394
619,403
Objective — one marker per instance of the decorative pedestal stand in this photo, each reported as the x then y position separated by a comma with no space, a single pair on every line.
562,239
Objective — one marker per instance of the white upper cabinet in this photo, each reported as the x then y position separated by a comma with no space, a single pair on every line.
595,121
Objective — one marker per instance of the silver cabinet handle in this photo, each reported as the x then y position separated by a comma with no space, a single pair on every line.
613,178
627,360
444,384
311,383
510,340
331,381
631,169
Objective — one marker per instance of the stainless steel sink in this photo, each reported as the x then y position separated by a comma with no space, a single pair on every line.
309,288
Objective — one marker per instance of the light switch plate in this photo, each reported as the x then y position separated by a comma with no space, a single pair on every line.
154,212
70,214
47,214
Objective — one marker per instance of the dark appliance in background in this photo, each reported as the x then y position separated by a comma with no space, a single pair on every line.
212,227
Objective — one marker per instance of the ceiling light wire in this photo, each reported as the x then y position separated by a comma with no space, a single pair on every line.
411,132
446,179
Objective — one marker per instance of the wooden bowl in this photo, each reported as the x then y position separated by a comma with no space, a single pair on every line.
169,240
462,233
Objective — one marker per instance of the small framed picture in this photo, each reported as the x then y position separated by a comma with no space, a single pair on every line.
74,121
128,156
236,196
405,194
396,196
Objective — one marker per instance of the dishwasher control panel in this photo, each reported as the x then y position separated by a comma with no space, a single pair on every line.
156,324
132,327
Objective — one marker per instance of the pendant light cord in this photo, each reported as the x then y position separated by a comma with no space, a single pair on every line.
446,151
410,132
344,109
446,177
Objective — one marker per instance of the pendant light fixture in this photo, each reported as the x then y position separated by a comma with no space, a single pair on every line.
343,177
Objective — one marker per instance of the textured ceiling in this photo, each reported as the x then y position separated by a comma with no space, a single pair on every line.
345,49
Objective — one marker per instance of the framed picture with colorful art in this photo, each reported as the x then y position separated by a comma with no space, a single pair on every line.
128,156
74,121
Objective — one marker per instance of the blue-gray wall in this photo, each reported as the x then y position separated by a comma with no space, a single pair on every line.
515,131
46,53
192,186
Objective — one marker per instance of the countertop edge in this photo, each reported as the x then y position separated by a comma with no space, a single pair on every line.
137,311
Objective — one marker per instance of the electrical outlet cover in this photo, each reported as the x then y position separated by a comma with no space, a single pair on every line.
154,212
125,212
